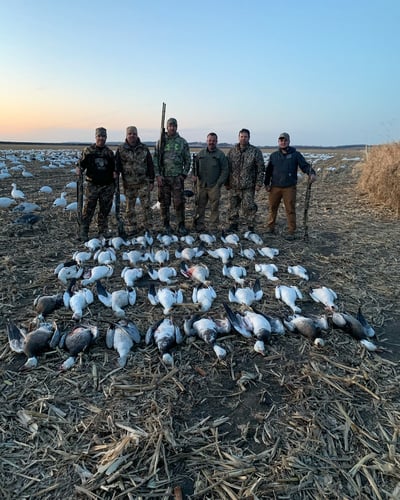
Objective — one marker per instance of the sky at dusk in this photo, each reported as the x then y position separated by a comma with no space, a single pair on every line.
327,72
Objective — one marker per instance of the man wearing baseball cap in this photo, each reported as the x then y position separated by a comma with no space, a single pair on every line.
135,164
171,167
98,163
281,180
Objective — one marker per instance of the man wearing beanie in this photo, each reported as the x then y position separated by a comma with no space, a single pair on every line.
98,163
135,164
281,180
172,164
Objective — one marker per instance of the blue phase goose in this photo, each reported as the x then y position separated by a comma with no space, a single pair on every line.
208,330
77,341
165,335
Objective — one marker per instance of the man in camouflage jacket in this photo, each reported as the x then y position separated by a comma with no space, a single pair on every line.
172,164
135,165
98,163
246,173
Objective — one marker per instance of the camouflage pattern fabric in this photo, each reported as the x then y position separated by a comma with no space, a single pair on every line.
176,157
135,164
246,167
242,198
103,195
172,189
141,191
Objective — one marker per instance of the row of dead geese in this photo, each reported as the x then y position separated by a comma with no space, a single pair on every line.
123,334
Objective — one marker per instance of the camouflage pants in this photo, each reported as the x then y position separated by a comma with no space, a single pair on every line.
103,195
172,189
205,195
288,195
242,198
132,192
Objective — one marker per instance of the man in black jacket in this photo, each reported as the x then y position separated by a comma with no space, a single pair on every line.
98,163
281,181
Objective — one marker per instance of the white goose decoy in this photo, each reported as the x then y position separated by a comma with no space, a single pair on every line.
230,239
268,252
165,335
71,185
246,295
267,270
32,344
204,296
26,173
325,296
61,202
105,256
166,297
98,273
251,323
131,274
208,330
117,300
198,272
17,194
223,253
163,274
121,337
237,273
77,301
254,237
7,202
248,253
77,341
289,295
71,207
299,271
308,327
46,190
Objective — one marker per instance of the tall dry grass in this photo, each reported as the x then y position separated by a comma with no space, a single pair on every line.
380,176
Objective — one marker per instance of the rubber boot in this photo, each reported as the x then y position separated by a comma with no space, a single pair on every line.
84,233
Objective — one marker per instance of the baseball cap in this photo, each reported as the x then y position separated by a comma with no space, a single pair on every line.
284,135
172,121
101,131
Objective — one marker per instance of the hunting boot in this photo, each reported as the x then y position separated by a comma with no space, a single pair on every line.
165,219
84,233
180,215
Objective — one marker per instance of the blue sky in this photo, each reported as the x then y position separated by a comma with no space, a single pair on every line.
325,71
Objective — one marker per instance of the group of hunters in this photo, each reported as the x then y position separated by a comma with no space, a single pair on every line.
242,172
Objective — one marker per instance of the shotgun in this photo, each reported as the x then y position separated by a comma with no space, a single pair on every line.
307,205
79,198
117,194
161,142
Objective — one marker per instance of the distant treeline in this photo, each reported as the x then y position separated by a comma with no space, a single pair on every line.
222,145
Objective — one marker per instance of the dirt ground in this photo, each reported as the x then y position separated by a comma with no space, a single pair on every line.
301,422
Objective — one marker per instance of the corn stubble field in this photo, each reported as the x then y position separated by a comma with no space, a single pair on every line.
300,422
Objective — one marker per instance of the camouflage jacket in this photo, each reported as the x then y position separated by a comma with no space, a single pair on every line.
98,165
134,163
246,167
175,158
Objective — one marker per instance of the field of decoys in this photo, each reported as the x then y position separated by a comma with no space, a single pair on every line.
208,366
